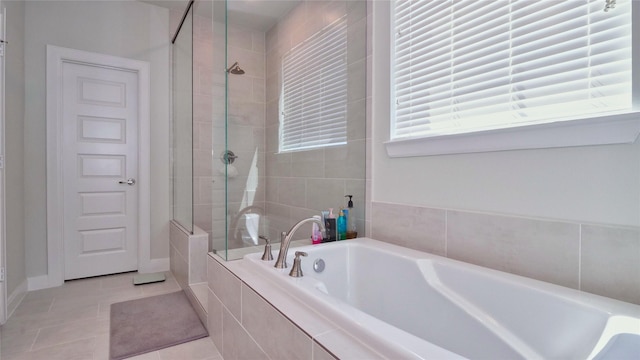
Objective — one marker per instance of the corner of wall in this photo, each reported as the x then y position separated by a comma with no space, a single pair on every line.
14,177
15,298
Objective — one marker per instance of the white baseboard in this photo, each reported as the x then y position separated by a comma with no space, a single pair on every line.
40,282
16,297
44,282
155,265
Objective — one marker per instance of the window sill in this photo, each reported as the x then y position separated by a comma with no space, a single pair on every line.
616,129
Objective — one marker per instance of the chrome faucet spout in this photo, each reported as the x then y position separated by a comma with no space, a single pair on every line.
285,240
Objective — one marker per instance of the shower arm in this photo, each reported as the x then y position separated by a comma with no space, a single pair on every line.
232,66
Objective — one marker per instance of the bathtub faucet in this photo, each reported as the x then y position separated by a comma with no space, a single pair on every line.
285,240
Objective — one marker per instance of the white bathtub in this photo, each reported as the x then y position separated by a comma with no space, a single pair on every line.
410,304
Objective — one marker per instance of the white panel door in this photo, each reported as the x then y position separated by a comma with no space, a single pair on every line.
100,162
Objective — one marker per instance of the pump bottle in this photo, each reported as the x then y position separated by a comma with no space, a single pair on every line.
352,232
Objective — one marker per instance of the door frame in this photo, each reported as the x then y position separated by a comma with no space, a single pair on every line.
56,57
3,229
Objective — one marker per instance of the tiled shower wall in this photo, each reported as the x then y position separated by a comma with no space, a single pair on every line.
287,187
245,132
603,260
300,184
208,94
246,120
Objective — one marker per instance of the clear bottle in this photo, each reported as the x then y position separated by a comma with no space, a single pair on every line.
316,235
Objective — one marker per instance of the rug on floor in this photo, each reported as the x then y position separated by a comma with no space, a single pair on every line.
153,323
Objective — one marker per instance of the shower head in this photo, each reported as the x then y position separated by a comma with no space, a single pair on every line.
235,69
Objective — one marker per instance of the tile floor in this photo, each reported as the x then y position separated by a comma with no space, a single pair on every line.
72,322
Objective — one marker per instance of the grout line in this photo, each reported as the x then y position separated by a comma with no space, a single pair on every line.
53,301
34,341
579,256
446,233
63,343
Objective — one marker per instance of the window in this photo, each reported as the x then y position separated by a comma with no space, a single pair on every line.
314,91
462,67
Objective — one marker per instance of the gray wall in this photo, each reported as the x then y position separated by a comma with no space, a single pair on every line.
121,28
14,142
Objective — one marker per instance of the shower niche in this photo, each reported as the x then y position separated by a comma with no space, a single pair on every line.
278,125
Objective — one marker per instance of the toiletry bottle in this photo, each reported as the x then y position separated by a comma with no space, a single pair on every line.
316,236
342,226
330,225
346,216
325,221
352,233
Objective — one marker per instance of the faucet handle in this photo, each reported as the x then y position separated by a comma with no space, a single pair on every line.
296,270
267,255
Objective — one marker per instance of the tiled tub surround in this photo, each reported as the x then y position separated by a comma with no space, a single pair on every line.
188,262
245,325
412,304
599,259
257,312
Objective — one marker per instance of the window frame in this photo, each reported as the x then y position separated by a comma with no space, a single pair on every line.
597,130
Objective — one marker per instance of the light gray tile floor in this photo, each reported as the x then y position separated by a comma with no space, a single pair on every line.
72,322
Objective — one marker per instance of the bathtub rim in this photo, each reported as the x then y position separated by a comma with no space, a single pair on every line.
322,330
609,305
256,281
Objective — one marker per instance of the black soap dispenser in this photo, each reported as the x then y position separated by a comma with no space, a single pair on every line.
352,233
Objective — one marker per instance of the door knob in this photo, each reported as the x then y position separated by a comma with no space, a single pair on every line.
129,181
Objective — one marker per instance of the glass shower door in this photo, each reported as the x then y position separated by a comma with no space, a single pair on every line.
183,123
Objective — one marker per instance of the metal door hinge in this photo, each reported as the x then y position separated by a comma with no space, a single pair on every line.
1,274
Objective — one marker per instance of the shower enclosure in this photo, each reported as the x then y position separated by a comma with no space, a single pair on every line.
275,117
182,149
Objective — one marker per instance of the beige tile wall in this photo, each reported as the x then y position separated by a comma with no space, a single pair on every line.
244,326
289,186
610,261
246,119
188,255
598,259
300,184
245,132
178,254
208,95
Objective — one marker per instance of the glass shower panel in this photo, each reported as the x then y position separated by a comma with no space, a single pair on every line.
182,63
269,188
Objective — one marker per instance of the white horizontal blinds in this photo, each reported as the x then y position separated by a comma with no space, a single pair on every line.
471,65
314,91
570,59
